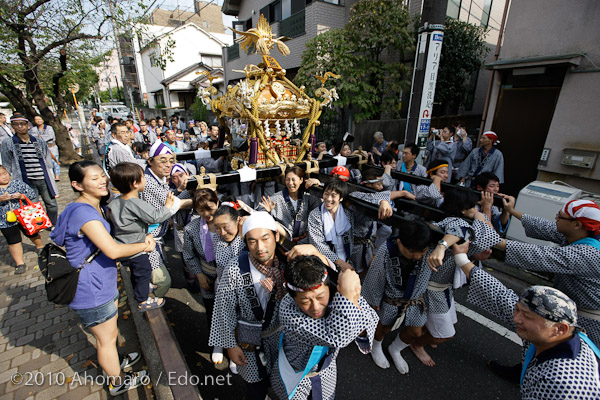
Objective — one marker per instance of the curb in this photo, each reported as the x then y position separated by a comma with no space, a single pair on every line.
155,368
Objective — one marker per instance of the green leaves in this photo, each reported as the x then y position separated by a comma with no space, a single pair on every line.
369,54
463,52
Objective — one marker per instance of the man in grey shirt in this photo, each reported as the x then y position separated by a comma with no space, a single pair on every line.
119,149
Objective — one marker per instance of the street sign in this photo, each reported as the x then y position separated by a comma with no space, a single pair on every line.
74,87
431,70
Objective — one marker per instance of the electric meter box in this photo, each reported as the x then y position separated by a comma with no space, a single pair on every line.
542,199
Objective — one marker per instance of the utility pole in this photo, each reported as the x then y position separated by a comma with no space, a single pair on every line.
427,61
119,97
118,45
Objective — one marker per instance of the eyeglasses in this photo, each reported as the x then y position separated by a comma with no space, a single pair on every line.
166,161
19,123
558,216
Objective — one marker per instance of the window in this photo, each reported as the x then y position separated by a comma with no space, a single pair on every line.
159,99
298,5
487,8
453,10
286,8
272,12
282,9
241,26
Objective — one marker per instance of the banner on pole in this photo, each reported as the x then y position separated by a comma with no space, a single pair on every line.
431,70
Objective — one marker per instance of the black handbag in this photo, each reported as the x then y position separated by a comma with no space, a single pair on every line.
61,277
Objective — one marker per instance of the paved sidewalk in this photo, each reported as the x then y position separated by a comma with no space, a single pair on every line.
44,352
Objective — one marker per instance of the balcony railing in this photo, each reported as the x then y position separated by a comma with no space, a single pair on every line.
233,52
293,26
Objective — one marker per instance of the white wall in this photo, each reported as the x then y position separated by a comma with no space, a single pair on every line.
192,45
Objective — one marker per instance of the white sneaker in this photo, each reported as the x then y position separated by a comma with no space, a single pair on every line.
130,359
130,381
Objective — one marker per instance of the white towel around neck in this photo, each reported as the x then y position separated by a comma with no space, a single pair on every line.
334,230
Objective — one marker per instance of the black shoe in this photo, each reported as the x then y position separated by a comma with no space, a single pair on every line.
20,269
510,373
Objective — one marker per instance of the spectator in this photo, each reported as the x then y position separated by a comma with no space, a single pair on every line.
464,145
214,132
160,123
11,191
5,130
171,141
145,135
392,146
45,132
120,149
379,146
486,158
82,230
152,124
28,159
203,135
443,149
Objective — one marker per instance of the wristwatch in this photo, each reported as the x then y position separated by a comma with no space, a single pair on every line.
443,243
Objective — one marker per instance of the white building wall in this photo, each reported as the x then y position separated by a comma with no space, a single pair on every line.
192,45
110,69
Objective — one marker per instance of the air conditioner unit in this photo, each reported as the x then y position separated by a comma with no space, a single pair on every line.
542,199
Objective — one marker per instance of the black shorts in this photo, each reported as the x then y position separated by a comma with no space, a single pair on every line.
13,234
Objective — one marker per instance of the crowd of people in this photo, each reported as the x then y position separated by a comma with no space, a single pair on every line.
281,319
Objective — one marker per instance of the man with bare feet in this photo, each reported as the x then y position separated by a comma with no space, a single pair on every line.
394,287
441,312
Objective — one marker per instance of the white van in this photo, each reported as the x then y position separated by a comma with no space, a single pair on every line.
114,110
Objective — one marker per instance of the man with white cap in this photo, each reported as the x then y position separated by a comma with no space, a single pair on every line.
246,321
247,305
486,158
119,149
560,361
575,264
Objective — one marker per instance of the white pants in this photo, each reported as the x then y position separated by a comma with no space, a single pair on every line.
441,326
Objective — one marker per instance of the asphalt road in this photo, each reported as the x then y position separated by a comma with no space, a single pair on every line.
460,371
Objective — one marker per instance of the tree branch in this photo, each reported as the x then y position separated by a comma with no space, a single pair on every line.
15,96
68,39
33,7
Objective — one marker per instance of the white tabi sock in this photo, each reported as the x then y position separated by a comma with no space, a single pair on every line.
377,353
217,355
395,348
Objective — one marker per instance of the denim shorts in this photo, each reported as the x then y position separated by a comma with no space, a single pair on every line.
91,317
